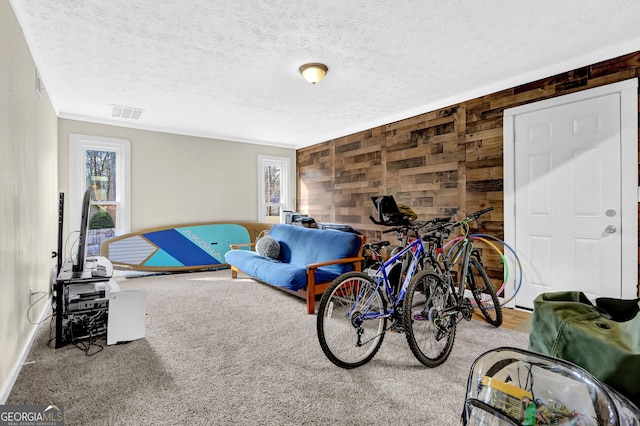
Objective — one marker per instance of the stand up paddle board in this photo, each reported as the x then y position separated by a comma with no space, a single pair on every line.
179,248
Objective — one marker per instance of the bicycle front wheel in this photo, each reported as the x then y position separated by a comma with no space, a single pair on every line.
483,292
350,324
430,331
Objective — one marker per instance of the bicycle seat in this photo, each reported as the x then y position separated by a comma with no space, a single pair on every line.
378,246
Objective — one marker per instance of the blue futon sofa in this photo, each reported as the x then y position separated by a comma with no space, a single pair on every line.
308,260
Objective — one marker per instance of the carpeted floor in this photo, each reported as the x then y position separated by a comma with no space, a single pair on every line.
223,352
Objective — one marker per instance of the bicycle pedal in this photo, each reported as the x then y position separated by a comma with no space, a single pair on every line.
467,309
397,328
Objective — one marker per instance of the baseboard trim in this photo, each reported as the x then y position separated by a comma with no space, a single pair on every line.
17,367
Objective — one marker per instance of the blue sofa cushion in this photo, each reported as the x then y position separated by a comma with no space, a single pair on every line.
274,272
302,246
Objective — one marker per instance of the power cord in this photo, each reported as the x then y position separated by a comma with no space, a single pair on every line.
89,323
44,294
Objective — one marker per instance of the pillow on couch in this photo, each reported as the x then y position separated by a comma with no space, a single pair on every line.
268,246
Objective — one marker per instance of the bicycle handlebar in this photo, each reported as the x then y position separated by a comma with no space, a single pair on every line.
414,225
473,216
448,226
440,220
386,231
479,213
438,223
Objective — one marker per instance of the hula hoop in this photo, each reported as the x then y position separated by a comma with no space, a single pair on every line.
483,238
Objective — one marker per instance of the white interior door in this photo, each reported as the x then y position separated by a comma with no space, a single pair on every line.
568,199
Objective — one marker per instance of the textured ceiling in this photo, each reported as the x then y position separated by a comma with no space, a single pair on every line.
228,69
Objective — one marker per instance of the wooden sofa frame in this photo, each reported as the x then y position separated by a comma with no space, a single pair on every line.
313,288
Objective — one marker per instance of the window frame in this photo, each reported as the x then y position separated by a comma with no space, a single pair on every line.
78,146
285,188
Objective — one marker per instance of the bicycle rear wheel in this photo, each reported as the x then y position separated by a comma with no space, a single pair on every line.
430,332
483,292
349,323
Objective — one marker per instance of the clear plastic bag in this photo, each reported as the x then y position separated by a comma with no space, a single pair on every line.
509,386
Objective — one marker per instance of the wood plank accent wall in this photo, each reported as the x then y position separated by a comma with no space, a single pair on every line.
440,163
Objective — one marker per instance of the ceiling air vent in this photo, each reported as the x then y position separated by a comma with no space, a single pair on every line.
120,111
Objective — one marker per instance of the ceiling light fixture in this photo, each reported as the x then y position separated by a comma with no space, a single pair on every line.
313,72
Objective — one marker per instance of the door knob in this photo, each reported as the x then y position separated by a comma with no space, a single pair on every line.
610,229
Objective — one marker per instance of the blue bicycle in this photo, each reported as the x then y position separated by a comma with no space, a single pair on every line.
356,307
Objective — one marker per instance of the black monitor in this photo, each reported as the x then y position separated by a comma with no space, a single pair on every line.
78,264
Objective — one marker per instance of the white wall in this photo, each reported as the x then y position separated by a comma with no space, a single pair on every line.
175,179
28,196
179,179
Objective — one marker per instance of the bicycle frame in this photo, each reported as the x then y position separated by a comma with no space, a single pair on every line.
462,253
382,276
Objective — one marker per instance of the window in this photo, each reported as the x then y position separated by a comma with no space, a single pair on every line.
103,166
273,188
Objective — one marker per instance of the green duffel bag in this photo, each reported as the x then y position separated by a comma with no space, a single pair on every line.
603,339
